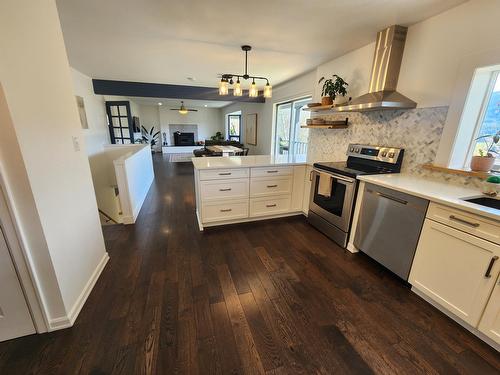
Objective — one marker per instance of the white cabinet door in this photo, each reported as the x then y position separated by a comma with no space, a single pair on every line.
490,322
451,267
15,319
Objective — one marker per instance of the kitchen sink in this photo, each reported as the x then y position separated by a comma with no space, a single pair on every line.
485,201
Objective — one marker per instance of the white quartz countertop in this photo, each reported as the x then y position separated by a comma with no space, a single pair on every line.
435,191
246,161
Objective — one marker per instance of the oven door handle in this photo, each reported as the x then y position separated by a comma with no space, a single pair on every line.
336,176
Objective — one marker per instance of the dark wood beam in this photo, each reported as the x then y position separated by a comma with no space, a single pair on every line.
161,90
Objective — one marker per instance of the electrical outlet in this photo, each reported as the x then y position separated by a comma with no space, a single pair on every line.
76,144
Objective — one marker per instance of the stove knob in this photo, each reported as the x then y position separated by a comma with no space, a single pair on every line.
384,154
356,150
391,154
351,149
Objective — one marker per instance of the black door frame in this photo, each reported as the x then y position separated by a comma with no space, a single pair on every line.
111,128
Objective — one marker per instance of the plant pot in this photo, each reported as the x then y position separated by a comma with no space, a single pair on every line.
482,163
326,100
339,100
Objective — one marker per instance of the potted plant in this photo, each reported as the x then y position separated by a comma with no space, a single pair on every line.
149,137
486,158
217,137
332,87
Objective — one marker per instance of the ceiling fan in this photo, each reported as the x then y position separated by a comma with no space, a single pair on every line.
183,110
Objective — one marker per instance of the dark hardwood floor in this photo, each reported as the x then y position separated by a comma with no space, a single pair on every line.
272,297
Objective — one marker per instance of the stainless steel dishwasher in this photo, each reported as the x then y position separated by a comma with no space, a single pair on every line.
389,226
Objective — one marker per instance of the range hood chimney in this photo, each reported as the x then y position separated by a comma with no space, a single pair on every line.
385,73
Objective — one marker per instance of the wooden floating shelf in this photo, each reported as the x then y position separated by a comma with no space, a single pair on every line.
335,125
320,108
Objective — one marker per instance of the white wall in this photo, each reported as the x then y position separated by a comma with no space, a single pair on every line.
150,116
434,51
209,121
134,175
17,189
36,78
245,109
97,134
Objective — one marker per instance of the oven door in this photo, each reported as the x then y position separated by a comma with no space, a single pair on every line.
332,198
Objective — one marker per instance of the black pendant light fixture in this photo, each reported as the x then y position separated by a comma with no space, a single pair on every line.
228,79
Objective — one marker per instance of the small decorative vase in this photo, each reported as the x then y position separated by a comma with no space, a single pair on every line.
326,100
482,163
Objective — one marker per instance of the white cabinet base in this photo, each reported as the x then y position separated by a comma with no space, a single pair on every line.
464,324
202,226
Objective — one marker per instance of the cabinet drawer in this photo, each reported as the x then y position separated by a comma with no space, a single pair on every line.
223,189
261,186
221,174
224,210
269,205
464,221
271,171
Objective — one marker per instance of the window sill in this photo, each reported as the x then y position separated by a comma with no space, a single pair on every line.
461,172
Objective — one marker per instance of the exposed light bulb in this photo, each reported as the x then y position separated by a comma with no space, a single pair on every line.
183,111
253,92
237,91
223,87
268,91
160,103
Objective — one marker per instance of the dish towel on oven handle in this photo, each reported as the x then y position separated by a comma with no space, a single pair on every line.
325,185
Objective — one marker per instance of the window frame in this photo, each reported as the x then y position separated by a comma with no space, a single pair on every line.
480,119
233,137
293,113
467,94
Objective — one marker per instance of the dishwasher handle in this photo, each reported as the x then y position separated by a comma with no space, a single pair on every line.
378,193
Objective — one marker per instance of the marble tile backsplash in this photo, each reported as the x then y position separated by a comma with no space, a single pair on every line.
418,131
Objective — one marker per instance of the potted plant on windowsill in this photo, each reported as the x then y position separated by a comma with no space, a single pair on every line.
332,88
486,159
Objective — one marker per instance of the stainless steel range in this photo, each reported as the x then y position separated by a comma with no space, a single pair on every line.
334,187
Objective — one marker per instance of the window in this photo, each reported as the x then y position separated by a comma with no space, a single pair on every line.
488,121
290,138
234,127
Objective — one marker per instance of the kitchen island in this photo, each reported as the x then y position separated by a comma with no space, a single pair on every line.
246,188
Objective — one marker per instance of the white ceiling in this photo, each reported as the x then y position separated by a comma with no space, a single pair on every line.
165,41
177,102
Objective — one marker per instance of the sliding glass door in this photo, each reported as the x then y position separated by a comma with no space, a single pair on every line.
290,138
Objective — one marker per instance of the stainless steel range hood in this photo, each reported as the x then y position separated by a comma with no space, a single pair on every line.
385,74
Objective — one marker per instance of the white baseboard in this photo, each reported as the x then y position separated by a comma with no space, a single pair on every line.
59,323
466,325
69,320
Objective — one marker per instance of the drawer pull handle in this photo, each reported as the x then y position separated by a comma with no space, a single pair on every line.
271,205
272,186
272,171
227,189
474,225
490,266
225,174
226,210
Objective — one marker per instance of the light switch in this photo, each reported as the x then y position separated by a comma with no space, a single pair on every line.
76,144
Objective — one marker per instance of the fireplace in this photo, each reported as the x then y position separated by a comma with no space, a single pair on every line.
183,139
